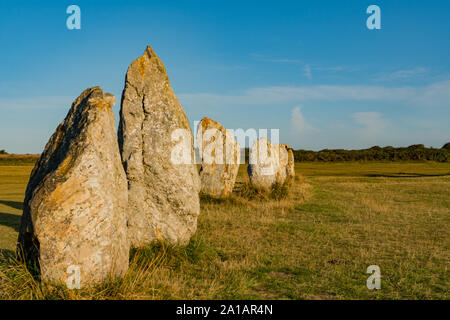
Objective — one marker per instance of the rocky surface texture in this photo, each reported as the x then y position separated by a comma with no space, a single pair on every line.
263,165
220,154
75,204
268,164
290,164
156,144
282,165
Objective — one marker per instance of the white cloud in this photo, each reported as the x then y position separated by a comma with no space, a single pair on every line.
401,74
372,122
298,122
333,69
263,58
36,103
373,130
437,94
307,71
301,133
307,67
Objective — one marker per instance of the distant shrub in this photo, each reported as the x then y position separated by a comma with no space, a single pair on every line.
416,152
17,159
3,152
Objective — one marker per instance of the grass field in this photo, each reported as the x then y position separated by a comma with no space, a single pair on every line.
317,243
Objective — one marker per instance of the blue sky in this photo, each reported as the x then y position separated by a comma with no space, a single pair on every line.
310,68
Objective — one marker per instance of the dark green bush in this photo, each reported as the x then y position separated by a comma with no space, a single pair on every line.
417,152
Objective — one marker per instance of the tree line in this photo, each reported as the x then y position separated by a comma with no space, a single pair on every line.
417,152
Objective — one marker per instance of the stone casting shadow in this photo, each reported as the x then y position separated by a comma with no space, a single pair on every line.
13,204
6,253
10,220
405,175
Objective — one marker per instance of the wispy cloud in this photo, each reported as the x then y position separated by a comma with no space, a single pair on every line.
36,103
284,61
308,68
436,94
264,58
307,71
401,74
228,68
299,126
372,122
333,68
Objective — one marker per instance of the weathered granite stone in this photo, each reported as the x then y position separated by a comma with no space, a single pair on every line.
283,160
75,204
220,154
291,164
263,165
156,144
268,164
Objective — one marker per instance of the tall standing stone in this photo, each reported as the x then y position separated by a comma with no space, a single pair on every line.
263,164
156,144
74,217
291,164
283,158
220,154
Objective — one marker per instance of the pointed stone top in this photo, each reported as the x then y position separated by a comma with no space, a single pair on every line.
150,52
110,99
148,68
97,97
208,122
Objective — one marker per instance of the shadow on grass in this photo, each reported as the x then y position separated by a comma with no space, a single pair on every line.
216,200
10,220
7,253
405,175
13,204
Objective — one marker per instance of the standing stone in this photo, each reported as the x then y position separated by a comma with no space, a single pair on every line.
282,168
268,164
291,164
74,216
220,154
156,144
263,166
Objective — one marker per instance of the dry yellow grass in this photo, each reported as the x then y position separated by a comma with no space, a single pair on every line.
316,243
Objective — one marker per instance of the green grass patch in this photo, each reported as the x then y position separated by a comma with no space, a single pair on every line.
312,240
